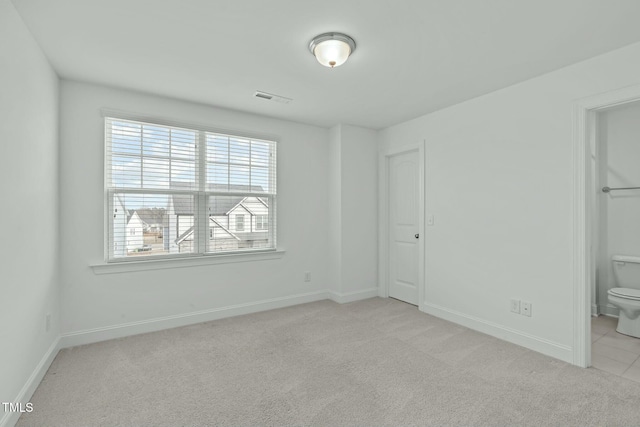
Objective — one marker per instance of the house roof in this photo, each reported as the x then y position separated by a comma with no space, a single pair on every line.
183,204
135,219
221,205
154,216
189,233
218,205
241,203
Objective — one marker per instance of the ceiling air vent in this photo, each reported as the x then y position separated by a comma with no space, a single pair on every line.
272,97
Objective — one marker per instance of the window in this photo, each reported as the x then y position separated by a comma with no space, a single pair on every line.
261,222
239,222
180,191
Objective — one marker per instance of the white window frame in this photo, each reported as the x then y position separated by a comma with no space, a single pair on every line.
201,242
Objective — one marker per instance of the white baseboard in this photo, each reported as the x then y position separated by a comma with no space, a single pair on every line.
152,325
594,310
541,345
609,310
342,298
9,419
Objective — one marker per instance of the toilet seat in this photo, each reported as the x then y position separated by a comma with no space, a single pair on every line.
633,294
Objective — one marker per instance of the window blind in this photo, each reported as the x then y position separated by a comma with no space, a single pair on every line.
178,191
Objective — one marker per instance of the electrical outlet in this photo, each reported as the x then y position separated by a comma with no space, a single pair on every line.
515,306
47,322
307,276
526,308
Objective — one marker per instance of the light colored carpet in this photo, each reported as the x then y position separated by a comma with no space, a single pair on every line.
368,363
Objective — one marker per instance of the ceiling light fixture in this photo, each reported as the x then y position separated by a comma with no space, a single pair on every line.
332,49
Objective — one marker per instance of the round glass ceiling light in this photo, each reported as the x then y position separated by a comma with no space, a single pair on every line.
332,49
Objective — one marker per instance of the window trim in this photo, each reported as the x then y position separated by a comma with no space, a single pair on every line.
200,196
163,121
159,263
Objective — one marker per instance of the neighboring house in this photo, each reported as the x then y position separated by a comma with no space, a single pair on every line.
235,222
135,232
130,226
155,219
120,219
249,215
180,215
156,226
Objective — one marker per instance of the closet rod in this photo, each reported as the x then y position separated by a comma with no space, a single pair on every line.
607,189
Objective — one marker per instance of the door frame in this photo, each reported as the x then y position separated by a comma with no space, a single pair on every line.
585,112
383,226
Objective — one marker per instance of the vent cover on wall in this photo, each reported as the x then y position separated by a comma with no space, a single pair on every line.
272,97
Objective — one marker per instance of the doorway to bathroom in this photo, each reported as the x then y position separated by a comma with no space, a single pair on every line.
588,255
615,240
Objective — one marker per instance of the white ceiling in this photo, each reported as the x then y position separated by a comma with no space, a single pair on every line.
412,56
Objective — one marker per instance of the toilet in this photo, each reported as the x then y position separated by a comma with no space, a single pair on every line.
626,296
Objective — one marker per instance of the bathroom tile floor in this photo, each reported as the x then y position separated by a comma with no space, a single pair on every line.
613,352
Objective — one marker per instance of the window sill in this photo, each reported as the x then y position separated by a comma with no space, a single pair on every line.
160,264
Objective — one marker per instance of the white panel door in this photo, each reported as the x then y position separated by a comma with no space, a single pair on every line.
404,175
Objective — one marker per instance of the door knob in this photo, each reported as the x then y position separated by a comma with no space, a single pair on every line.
417,236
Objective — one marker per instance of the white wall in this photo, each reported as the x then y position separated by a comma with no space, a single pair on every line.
99,301
619,131
499,182
29,214
353,212
359,194
334,180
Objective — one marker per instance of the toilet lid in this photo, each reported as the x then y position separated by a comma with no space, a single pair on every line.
626,293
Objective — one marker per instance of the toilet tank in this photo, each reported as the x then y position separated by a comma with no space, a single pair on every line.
626,271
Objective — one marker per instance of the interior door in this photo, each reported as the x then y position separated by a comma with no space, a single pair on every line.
404,175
